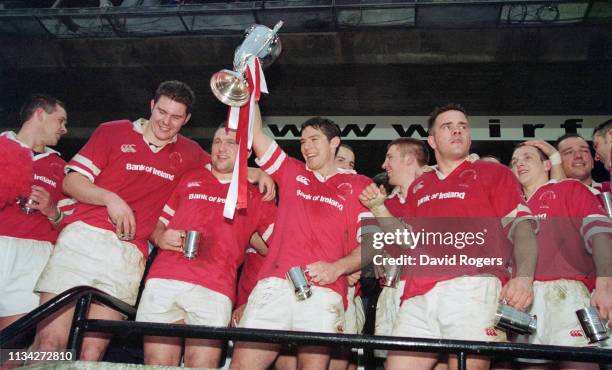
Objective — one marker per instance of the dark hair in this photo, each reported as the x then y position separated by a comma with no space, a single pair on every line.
416,147
177,91
543,156
439,110
33,102
567,136
602,128
383,179
325,125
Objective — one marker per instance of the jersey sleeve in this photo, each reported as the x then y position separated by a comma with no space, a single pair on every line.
94,156
276,163
363,221
587,210
267,215
508,202
174,200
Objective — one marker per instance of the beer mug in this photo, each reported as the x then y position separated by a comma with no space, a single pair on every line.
259,41
25,204
190,244
391,275
300,284
515,321
593,327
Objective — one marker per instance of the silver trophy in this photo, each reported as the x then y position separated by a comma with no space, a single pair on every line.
25,204
296,276
191,243
515,321
607,201
592,325
259,41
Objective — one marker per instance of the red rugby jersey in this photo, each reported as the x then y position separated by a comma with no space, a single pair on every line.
318,219
477,196
197,204
49,174
569,214
117,158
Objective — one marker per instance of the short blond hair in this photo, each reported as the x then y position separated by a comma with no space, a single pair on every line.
416,147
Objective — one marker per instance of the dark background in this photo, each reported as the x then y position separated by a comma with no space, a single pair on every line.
515,71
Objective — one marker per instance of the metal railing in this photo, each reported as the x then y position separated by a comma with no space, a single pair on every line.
85,295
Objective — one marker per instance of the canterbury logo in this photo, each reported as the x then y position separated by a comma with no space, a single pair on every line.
128,148
303,180
575,333
490,332
418,187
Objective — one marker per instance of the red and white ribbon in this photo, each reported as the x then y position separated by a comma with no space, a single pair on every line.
241,120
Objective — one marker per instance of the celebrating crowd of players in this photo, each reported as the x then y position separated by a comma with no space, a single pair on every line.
90,222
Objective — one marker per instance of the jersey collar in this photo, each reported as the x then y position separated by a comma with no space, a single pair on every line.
324,178
139,126
473,157
549,182
208,166
11,135
396,192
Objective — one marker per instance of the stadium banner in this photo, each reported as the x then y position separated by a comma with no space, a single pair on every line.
484,128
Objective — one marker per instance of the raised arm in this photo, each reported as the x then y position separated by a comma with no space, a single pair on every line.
261,141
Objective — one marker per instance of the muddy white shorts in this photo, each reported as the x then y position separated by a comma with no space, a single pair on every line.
387,307
87,255
354,316
555,304
21,262
168,301
462,308
273,305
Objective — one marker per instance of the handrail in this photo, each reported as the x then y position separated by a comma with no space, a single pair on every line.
558,353
29,321
84,296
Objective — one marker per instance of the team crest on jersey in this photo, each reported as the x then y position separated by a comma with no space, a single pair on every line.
546,198
418,187
57,168
128,148
467,176
176,159
345,188
302,179
194,183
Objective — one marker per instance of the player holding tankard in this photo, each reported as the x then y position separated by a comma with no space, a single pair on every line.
191,241
296,275
25,204
593,326
512,320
